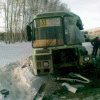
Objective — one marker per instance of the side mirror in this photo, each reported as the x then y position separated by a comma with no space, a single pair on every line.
28,28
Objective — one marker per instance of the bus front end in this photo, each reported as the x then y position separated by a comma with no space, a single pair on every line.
47,34
56,42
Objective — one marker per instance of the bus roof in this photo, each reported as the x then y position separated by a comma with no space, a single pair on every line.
54,14
60,14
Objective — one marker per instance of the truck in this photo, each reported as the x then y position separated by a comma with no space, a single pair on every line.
57,42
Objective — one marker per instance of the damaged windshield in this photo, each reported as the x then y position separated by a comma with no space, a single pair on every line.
48,32
73,34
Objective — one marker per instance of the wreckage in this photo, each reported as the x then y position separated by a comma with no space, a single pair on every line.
57,42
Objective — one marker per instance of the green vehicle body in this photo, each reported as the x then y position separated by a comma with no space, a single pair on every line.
51,50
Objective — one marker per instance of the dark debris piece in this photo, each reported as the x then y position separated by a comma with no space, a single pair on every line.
4,92
23,66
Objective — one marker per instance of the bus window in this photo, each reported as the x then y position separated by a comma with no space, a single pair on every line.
48,31
72,33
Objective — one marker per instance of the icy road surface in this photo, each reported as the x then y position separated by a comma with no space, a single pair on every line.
12,52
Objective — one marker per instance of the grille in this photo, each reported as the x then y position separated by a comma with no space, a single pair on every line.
43,57
42,51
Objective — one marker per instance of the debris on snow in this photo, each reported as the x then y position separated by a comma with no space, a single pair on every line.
17,80
4,92
69,87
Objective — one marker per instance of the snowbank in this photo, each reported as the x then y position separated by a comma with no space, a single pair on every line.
17,80
16,75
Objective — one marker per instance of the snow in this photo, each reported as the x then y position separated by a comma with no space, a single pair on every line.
12,52
19,80
88,47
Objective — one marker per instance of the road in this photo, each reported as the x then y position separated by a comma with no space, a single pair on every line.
12,52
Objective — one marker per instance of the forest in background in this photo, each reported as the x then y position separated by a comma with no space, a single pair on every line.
19,13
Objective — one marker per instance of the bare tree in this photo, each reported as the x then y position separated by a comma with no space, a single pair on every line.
19,13
2,17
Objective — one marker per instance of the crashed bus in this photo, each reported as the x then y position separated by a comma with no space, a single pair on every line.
57,42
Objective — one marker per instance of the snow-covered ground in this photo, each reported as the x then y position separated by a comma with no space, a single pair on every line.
18,80
88,47
11,52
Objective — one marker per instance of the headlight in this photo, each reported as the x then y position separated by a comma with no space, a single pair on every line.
46,64
86,58
93,59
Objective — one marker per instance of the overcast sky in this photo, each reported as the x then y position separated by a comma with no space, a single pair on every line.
88,10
